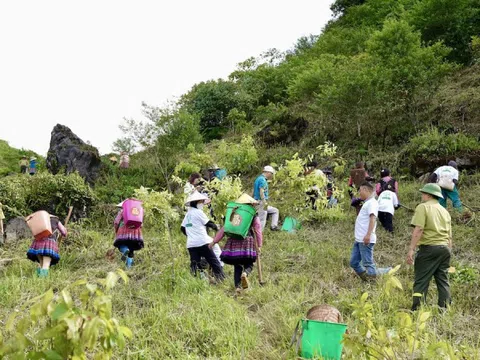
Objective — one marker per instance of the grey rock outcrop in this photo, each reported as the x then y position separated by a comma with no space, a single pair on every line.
17,229
69,153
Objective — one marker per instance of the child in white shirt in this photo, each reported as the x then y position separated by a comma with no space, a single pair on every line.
387,203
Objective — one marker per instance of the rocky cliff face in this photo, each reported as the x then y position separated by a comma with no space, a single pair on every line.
69,153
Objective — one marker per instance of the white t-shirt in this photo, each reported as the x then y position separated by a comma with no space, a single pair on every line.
194,223
363,220
387,202
447,171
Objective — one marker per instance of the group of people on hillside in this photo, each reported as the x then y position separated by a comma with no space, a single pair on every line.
432,232
124,160
27,166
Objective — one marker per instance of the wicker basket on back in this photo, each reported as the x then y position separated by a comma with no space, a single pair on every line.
324,313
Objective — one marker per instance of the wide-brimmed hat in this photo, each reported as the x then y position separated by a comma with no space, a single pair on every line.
246,199
214,167
432,189
196,196
120,204
269,169
33,158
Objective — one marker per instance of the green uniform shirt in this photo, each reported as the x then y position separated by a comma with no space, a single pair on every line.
435,221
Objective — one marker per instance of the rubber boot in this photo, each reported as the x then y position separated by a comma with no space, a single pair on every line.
43,273
129,262
124,251
38,272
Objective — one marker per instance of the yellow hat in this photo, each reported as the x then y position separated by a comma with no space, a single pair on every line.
246,199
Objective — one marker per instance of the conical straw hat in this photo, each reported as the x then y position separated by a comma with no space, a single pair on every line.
196,196
246,199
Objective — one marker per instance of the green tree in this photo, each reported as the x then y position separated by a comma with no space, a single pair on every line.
211,101
165,136
452,22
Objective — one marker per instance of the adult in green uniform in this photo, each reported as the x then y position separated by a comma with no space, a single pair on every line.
433,235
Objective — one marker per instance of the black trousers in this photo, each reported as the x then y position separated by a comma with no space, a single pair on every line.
386,219
196,254
238,270
432,261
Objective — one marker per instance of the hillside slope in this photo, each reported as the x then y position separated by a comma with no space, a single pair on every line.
175,316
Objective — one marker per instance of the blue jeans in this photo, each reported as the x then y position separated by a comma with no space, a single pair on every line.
362,258
453,196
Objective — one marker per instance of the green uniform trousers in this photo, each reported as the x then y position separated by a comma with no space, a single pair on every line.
432,261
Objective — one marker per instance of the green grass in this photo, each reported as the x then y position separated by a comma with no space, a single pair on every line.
176,316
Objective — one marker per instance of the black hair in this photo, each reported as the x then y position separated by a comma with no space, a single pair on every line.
385,172
367,185
312,164
194,177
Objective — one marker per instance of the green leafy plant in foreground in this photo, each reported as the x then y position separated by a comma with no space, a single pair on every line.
402,336
57,326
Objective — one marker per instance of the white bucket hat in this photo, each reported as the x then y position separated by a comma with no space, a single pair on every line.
269,169
196,196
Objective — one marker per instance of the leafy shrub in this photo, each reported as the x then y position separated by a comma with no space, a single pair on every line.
403,336
54,193
157,206
290,186
61,327
437,144
223,191
237,157
465,275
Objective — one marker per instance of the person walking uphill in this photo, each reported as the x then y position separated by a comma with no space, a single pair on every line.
23,165
242,253
386,183
45,250
260,193
365,237
433,235
447,178
127,240
194,226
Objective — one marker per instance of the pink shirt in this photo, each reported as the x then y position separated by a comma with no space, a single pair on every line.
256,227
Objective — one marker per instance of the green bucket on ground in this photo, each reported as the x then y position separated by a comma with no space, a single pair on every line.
238,220
291,225
322,340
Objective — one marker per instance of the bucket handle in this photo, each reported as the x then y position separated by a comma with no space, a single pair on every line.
297,337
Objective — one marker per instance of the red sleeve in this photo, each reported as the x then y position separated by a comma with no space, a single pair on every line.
350,181
257,229
219,236
377,188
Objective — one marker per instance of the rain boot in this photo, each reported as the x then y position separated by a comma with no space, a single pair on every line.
129,262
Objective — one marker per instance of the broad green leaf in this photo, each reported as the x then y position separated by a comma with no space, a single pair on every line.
111,280
126,331
424,316
396,282
60,310
52,355
67,298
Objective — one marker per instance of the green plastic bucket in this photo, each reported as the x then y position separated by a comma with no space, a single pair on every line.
238,220
322,340
291,225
